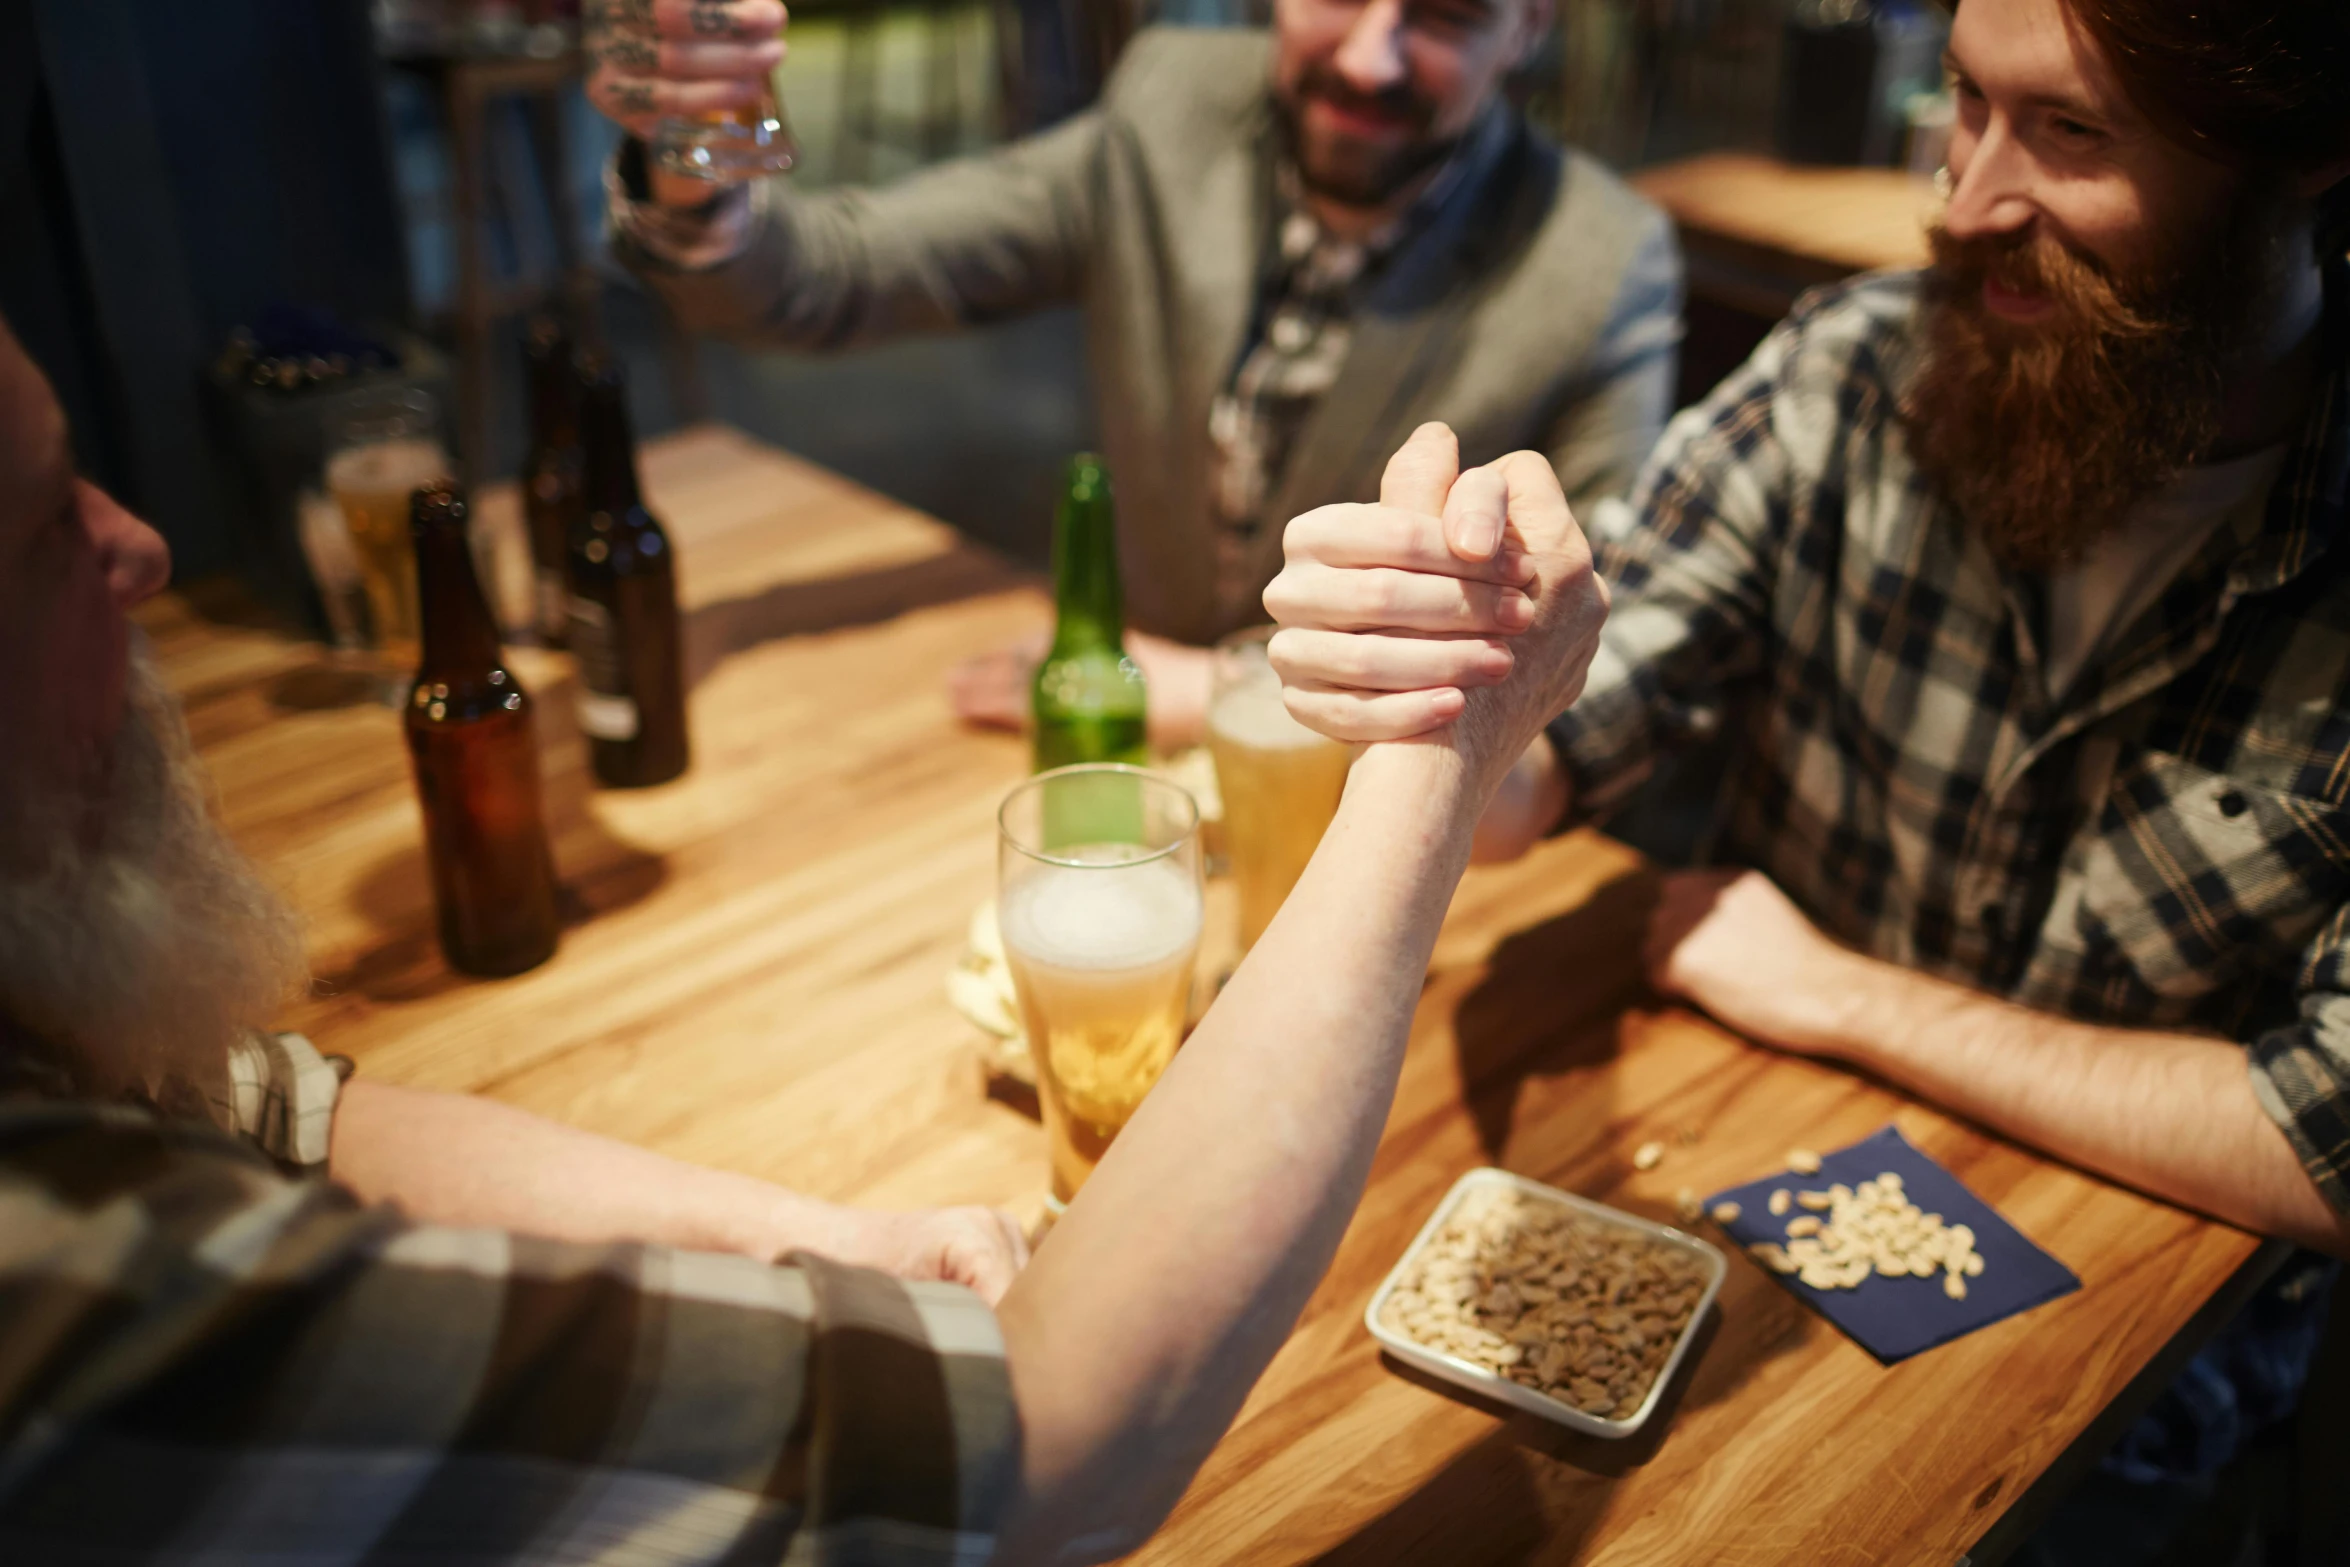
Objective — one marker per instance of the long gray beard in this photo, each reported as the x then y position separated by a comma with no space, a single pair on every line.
142,958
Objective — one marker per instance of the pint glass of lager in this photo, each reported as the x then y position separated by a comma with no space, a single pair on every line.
382,452
1280,780
1099,899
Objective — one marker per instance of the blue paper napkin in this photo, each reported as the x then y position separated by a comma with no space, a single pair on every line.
1895,1318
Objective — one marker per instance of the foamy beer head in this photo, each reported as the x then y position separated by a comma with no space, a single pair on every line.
385,469
1280,780
1099,905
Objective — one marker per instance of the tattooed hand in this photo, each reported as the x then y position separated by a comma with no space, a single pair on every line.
651,60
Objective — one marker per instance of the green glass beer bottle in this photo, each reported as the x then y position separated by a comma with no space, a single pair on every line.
1088,696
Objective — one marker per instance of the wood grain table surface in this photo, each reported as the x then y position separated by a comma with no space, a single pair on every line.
1827,222
753,979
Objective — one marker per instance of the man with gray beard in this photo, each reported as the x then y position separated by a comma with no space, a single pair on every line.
250,1313
141,957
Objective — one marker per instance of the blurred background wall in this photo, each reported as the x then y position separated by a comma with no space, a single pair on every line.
167,170
170,173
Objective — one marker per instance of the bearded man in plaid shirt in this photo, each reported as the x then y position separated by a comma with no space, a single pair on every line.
2016,593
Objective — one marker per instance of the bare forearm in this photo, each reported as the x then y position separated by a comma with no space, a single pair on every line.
2171,1114
1530,804
457,1160
1141,1325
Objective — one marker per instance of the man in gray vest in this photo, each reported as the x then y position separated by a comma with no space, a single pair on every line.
1292,248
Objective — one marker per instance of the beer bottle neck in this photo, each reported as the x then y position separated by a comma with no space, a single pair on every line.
460,636
608,454
1085,571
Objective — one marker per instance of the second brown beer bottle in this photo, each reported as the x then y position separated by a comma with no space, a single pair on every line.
477,763
550,476
624,623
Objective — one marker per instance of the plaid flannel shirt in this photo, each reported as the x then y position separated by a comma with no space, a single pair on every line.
205,1359
2166,846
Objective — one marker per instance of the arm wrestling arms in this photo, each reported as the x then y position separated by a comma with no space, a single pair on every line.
1181,1267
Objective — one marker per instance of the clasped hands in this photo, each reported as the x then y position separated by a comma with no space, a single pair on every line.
1463,609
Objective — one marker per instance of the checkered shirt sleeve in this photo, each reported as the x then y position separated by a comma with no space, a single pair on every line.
202,1359
1691,557
282,1095
2301,1072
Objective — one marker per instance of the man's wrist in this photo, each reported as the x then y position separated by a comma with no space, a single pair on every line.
1425,781
786,1221
1852,1002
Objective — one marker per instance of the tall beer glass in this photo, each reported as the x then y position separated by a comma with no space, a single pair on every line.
727,145
1098,872
382,452
1280,780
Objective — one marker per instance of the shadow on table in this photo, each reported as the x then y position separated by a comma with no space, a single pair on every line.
1502,1502
1485,1507
1548,1000
327,687
596,872
793,609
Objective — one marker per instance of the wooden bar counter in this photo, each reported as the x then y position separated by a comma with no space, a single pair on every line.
753,977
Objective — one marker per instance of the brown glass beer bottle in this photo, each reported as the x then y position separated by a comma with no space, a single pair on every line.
624,624
477,763
550,475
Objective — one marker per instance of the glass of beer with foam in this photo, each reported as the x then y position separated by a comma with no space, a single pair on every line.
1098,897
1280,780
380,453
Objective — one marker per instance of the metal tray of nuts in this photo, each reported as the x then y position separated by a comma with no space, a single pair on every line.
1454,1281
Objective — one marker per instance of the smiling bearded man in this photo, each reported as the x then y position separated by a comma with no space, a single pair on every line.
2100,384
2017,594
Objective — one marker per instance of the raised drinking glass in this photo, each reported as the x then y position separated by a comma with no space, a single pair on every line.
728,145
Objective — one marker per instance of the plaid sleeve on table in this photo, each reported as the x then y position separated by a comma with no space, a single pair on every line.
201,1359
282,1095
2301,1072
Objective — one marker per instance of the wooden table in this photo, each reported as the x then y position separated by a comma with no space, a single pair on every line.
755,980
1756,233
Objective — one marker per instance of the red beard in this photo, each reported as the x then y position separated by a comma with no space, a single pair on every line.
2044,434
